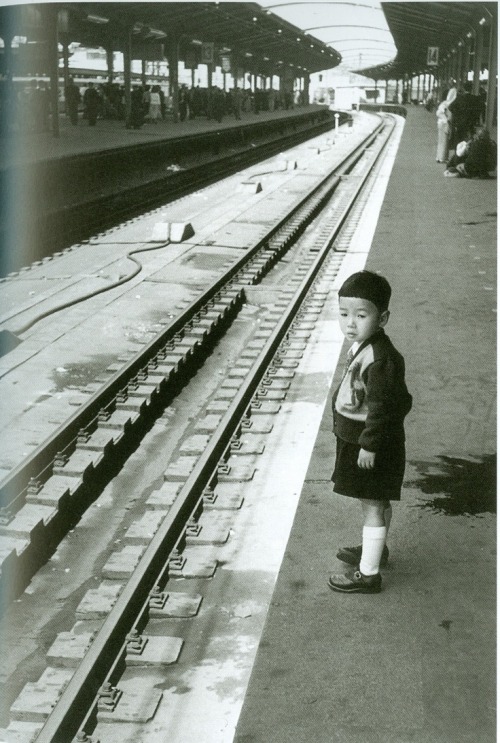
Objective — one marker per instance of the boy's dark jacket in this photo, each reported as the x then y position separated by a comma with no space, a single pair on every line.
371,402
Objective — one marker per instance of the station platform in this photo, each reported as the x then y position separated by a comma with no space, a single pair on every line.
29,147
415,663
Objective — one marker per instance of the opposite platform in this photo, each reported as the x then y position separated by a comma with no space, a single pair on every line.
415,663
110,134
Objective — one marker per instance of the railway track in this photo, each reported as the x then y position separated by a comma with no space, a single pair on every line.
190,513
55,223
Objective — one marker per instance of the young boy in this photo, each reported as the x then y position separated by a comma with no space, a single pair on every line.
369,408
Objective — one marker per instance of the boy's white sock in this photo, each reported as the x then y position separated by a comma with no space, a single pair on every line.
373,544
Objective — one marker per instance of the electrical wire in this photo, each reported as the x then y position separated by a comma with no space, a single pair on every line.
95,293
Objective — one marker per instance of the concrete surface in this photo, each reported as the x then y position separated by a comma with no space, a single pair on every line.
416,663
36,146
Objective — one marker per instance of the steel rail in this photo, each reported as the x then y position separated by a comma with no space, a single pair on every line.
65,720
40,458
62,226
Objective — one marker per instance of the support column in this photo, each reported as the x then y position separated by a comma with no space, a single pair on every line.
492,77
64,41
110,61
459,59
478,56
307,81
7,37
442,81
50,18
455,72
127,62
210,95
173,72
446,74
467,58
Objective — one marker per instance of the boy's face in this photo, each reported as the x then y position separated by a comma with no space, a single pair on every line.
359,318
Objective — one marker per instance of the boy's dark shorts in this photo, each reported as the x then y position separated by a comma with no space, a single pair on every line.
383,482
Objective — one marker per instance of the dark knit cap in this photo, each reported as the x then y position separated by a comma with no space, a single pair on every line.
368,285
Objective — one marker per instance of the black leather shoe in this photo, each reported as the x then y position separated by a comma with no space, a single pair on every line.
352,555
356,582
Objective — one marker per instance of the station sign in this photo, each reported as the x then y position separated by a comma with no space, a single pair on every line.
432,56
190,61
207,52
225,63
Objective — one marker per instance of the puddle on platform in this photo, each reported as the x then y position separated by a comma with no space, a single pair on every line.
77,376
463,487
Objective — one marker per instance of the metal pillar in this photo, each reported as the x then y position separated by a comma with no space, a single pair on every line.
447,73
459,60
455,70
210,96
467,58
64,41
127,62
173,72
478,56
492,78
110,61
50,12
7,37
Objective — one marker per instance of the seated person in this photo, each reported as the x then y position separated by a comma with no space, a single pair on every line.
473,159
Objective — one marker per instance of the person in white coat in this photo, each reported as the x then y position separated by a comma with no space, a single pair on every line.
451,93
443,131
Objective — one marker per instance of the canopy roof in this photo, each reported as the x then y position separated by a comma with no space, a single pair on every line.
259,38
416,26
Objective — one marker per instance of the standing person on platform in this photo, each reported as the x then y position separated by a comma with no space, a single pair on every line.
236,101
466,112
443,130
183,103
91,102
136,107
369,408
72,97
155,104
452,91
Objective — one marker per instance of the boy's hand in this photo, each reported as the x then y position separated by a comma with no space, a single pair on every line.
366,459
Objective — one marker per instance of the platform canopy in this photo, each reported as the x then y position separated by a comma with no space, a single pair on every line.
259,40
419,26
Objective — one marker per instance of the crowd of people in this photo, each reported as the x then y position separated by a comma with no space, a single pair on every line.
27,108
214,103
461,117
